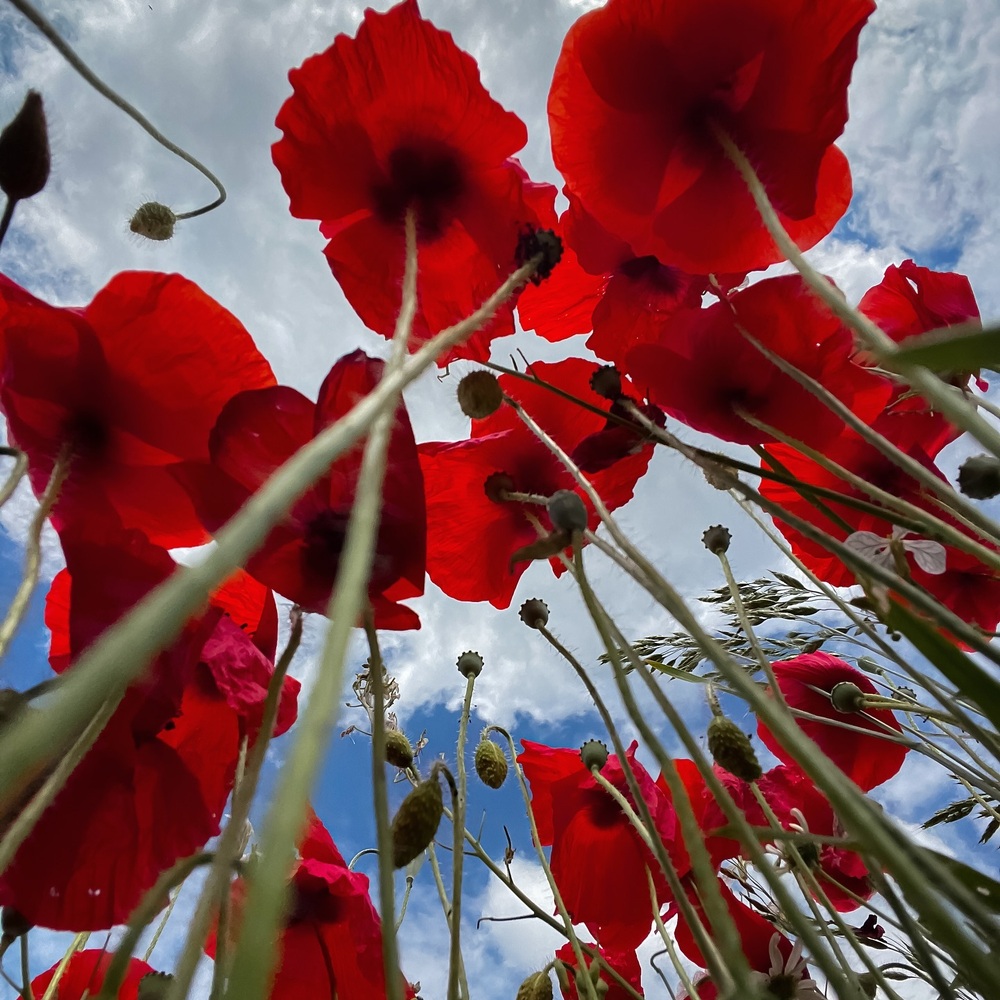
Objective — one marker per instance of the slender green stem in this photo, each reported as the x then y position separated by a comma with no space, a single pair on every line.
77,944
7,218
669,944
16,475
380,798
231,843
458,856
26,991
160,927
60,45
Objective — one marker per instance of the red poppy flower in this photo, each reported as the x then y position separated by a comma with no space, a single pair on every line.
398,119
331,944
153,787
129,385
706,372
807,682
257,432
472,538
637,89
966,587
84,977
598,860
625,962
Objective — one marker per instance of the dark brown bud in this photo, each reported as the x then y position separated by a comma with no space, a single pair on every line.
539,243
538,986
479,394
716,539
398,750
470,664
154,986
847,697
491,763
979,477
24,151
153,221
13,924
594,753
534,613
567,512
607,382
732,750
497,484
416,821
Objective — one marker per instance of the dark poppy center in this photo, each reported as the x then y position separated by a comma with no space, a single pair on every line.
602,810
87,435
324,541
315,905
653,275
428,179
783,986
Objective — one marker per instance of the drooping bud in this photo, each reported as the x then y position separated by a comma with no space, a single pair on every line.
607,382
153,221
491,763
594,753
979,477
534,242
479,394
538,986
567,512
13,924
470,664
398,750
24,151
154,986
416,821
534,613
732,750
716,539
847,697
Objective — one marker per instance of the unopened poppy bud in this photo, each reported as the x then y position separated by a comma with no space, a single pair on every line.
537,986
847,697
416,821
607,382
479,394
732,750
24,151
153,221
497,485
534,613
716,539
491,763
154,986
398,750
594,753
567,512
868,984
539,243
979,477
470,664
13,924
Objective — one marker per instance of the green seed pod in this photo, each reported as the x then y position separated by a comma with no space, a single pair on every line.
537,986
416,821
594,753
491,763
716,539
732,750
847,697
534,613
567,511
154,986
470,664
398,750
979,477
479,394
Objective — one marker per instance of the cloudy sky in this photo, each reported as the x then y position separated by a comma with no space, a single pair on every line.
923,141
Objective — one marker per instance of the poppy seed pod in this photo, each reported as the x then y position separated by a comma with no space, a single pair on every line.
607,382
567,512
398,750
154,986
416,821
534,613
539,242
732,750
847,697
979,477
479,394
594,753
491,763
716,539
470,664
537,986
153,221
24,151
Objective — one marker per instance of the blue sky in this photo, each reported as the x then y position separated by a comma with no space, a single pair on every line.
923,144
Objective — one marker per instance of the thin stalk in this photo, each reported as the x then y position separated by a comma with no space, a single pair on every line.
267,896
958,411
16,474
122,653
8,216
61,46
26,991
380,798
154,940
230,845
669,944
77,944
